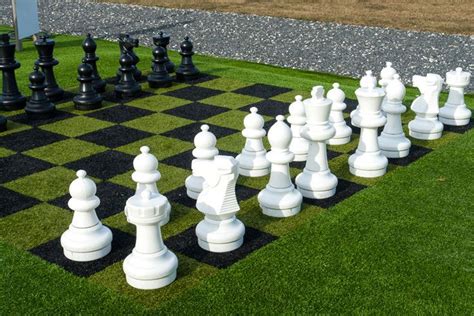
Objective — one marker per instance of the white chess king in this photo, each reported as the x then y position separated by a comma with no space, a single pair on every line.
455,112
86,239
297,118
336,117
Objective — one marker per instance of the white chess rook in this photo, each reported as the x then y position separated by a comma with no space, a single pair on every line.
336,117
280,198
205,150
220,231
368,161
392,140
150,265
455,112
86,239
426,125
316,181
297,118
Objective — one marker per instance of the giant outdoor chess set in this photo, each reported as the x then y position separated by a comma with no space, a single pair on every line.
114,128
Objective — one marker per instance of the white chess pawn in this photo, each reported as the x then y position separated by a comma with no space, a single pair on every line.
86,239
280,198
368,161
392,140
365,81
205,143
316,181
297,118
252,161
150,265
454,112
386,75
426,125
220,231
146,175
336,117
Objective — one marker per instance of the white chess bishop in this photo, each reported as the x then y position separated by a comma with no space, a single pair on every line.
205,150
316,181
336,117
220,231
426,125
368,161
297,119
365,81
392,140
151,265
146,175
86,239
455,112
280,198
252,161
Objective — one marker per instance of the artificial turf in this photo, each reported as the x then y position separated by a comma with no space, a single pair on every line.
399,246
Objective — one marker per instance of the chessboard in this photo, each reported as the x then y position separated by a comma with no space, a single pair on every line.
38,160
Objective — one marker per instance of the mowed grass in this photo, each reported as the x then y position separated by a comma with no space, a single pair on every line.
402,246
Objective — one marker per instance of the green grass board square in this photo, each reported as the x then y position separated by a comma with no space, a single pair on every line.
158,103
224,84
289,96
445,139
346,147
5,152
231,119
235,143
157,123
231,100
14,127
160,146
76,126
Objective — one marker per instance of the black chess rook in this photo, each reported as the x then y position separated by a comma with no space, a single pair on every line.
186,70
11,98
45,48
163,40
39,105
127,85
88,98
89,46
159,76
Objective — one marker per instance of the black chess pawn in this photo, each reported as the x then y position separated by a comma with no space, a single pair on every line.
45,48
39,105
88,98
127,85
128,43
89,46
163,40
11,98
186,70
159,77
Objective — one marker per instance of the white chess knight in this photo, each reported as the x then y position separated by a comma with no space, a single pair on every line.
86,239
316,181
146,175
336,117
280,198
392,140
426,125
150,265
205,150
368,161
252,161
455,112
297,118
365,82
220,230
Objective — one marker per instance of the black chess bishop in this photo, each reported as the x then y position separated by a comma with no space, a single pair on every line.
39,105
163,40
127,44
159,77
127,85
88,98
11,98
89,46
45,47
186,70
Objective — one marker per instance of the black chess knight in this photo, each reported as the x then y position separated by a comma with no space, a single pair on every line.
127,85
11,98
45,48
159,76
127,44
89,46
163,40
39,106
88,98
186,70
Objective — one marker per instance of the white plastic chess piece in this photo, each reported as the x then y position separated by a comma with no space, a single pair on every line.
392,140
366,81
297,118
336,117
280,198
368,161
316,181
86,239
426,125
146,175
454,112
205,143
220,231
386,75
252,161
150,265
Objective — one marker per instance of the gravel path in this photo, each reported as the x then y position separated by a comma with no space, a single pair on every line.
325,47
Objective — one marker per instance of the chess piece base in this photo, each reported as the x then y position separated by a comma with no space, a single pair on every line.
280,202
54,94
253,173
300,157
186,75
126,91
87,256
455,115
164,83
253,164
454,122
99,86
394,146
220,235
316,185
86,244
41,114
425,128
86,104
368,165
339,141
12,103
425,136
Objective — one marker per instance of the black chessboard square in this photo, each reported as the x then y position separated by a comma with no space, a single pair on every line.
416,152
104,165
187,132
184,159
201,78
196,111
119,113
263,91
179,196
29,139
193,93
351,105
115,136
23,118
355,129
459,129
268,107
187,244
111,96
244,193
344,190
122,245
12,202
16,166
301,164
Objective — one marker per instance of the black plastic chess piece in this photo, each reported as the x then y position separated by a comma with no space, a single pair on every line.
11,98
39,105
163,40
159,77
128,43
186,70
45,48
88,98
89,46
127,86
3,123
